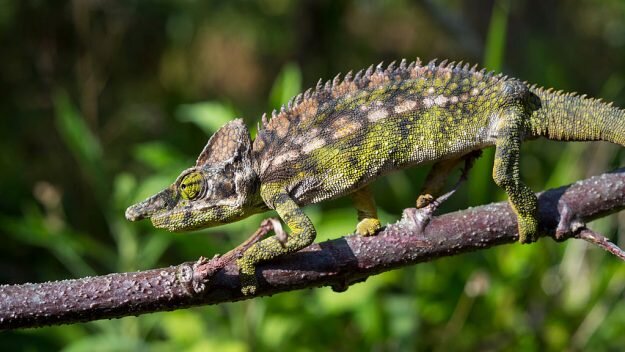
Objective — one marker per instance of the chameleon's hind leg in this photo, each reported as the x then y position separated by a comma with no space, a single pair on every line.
435,181
302,234
367,214
431,197
439,174
507,176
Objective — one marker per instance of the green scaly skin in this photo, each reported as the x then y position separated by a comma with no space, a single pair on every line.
336,139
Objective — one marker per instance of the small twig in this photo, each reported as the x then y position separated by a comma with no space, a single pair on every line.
595,238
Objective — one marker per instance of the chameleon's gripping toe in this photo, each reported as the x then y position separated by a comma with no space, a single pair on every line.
368,227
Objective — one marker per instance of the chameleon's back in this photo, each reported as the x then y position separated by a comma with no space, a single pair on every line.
341,136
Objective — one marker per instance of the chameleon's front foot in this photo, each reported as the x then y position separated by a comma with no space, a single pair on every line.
247,261
368,227
247,276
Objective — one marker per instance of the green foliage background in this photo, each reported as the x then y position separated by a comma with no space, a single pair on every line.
104,102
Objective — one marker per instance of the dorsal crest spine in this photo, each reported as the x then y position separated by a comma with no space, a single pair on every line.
334,88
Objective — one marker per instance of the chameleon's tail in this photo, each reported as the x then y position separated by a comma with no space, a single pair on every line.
572,117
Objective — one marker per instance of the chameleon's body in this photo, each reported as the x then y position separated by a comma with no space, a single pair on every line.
335,140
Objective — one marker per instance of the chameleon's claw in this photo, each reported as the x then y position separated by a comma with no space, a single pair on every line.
248,289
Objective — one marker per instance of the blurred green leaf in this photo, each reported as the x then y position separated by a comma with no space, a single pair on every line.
287,85
183,326
75,132
106,343
82,143
159,156
209,116
35,229
278,329
496,38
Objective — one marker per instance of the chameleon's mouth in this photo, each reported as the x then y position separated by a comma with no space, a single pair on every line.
151,206
136,213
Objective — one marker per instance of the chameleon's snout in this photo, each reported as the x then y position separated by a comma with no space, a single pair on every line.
150,206
134,213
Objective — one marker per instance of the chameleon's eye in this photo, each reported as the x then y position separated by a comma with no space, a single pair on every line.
192,186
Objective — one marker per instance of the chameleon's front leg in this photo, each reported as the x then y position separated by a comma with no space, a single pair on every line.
506,174
302,234
364,203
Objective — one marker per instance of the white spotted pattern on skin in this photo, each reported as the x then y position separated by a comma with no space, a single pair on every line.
440,100
405,106
313,145
377,115
344,127
306,136
290,155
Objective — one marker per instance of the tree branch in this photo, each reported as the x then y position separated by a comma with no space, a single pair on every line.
337,263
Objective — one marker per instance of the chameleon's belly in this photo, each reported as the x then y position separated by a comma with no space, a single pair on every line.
357,160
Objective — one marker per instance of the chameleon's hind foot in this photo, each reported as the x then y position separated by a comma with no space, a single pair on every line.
367,214
368,227
424,200
528,229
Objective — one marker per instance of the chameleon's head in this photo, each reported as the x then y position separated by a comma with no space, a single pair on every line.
220,188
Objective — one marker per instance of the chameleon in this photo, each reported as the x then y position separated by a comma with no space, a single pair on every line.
336,139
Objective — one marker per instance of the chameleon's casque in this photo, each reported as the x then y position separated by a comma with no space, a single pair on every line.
336,139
